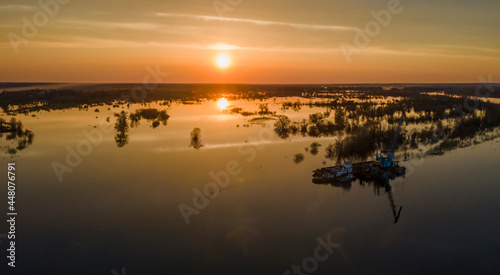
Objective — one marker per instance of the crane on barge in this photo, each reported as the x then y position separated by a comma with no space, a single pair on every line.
387,161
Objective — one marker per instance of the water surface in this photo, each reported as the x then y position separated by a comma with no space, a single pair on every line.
119,205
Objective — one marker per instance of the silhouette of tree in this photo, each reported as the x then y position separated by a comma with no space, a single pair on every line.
298,158
264,109
196,139
121,127
330,152
314,148
281,127
340,119
15,132
152,115
316,118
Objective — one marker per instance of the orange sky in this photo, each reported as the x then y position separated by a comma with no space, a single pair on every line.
268,41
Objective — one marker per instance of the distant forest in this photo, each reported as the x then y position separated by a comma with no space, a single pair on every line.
33,97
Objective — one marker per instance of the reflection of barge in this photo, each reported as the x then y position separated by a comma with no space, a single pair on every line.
367,171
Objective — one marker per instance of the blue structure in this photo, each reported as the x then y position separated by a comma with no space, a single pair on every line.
387,161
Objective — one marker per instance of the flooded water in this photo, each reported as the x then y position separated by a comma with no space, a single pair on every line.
217,186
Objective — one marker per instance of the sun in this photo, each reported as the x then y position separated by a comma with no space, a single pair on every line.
222,103
223,60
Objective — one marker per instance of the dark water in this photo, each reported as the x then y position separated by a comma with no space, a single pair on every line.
116,207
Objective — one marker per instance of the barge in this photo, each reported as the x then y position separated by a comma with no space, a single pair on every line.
381,169
367,171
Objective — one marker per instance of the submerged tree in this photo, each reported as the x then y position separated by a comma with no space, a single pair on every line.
298,158
314,148
14,132
296,106
340,119
196,139
316,118
121,127
152,115
264,109
281,127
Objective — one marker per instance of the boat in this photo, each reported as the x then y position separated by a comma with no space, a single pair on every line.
367,171
332,174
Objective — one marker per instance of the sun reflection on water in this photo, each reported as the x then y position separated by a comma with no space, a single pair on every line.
222,103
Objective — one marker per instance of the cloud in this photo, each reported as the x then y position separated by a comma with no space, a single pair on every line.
103,24
260,22
429,52
86,42
468,48
17,7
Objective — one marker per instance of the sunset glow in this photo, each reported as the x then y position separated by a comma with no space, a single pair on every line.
273,42
223,61
222,103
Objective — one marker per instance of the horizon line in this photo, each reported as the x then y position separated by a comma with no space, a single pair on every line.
243,83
